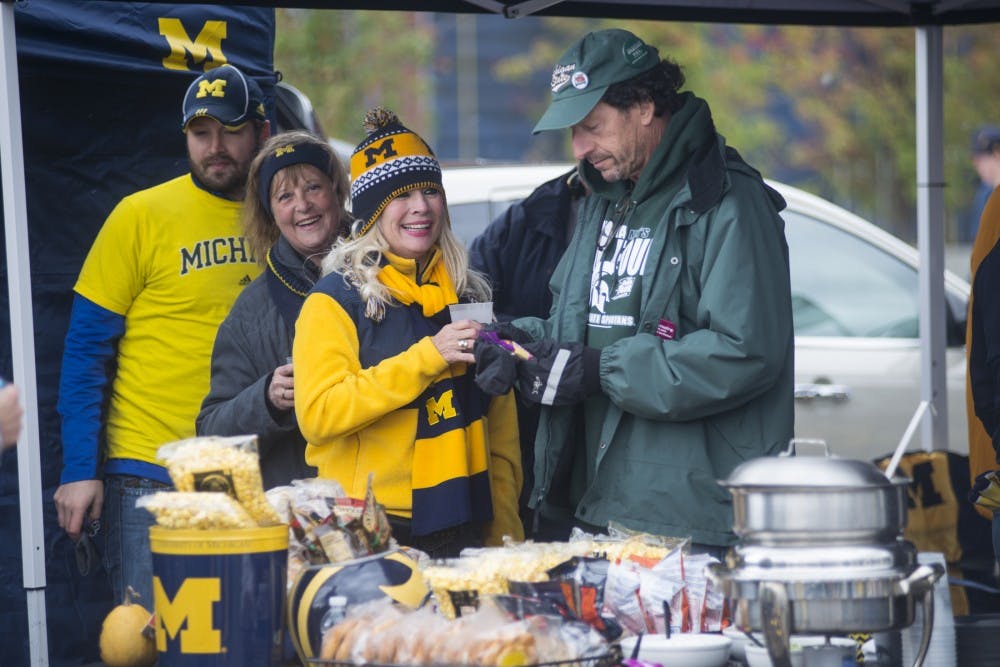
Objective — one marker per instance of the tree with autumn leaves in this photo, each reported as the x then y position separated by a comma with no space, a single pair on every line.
828,109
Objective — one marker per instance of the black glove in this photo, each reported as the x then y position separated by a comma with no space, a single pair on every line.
558,373
496,370
508,331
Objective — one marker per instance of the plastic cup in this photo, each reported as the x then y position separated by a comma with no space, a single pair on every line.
478,312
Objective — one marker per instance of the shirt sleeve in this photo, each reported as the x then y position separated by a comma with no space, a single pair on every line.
112,275
87,369
506,475
334,395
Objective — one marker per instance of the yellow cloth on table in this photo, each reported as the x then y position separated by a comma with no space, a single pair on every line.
932,517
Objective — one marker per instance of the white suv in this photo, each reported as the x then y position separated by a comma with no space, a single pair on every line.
855,306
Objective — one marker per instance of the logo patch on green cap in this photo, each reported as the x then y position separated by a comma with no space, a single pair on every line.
560,76
634,51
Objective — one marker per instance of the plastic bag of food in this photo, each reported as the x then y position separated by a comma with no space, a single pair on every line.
583,581
227,465
708,604
665,583
369,639
458,583
305,496
621,596
197,510
417,636
338,639
645,548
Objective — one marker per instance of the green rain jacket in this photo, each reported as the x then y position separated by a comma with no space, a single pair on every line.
679,414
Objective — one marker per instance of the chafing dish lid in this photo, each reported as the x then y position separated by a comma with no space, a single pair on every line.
808,471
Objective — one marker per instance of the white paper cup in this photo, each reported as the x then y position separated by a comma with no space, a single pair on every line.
478,312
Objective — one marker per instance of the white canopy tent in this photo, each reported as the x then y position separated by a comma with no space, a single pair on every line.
927,17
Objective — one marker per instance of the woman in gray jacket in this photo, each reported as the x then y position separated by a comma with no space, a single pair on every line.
293,211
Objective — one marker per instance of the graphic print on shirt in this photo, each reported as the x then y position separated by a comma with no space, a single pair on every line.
619,263
213,252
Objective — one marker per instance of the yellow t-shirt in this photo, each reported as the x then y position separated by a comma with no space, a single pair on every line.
170,259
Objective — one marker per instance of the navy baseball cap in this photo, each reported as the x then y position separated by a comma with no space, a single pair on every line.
985,139
586,70
225,94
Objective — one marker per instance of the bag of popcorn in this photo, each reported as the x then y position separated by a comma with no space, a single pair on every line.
223,465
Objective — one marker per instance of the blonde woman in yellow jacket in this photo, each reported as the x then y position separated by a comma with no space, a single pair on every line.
383,384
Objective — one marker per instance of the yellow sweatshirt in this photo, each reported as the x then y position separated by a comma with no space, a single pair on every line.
377,397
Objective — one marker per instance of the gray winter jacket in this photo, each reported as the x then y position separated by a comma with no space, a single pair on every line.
253,340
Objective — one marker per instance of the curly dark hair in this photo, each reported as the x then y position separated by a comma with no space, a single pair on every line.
659,85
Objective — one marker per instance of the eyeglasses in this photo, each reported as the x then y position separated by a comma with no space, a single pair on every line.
85,551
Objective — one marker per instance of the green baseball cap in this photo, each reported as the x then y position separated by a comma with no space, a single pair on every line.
586,70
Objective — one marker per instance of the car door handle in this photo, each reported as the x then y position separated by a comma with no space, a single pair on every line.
829,392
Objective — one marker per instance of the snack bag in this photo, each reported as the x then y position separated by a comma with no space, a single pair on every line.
582,581
375,521
458,583
621,596
227,465
198,510
663,588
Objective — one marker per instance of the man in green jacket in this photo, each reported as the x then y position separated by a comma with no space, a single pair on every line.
667,358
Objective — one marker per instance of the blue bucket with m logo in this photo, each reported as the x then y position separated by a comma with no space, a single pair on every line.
219,595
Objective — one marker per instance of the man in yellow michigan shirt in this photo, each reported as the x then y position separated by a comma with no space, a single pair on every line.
161,275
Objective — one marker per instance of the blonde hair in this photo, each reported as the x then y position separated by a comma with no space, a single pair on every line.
259,228
359,261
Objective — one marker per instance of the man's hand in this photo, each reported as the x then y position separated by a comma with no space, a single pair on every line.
77,502
558,373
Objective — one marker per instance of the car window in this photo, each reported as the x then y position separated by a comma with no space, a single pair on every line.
469,220
843,285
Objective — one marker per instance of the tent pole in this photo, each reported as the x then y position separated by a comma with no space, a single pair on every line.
930,233
22,341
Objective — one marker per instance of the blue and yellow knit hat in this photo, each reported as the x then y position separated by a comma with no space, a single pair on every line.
390,161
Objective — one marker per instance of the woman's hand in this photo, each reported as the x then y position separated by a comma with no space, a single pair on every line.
455,341
281,391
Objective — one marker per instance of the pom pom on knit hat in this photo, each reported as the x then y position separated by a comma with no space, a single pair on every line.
390,161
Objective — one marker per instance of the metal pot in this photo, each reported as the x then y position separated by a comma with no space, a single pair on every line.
829,590
795,500
815,605
821,551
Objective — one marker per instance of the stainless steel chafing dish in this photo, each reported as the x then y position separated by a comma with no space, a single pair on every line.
821,552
